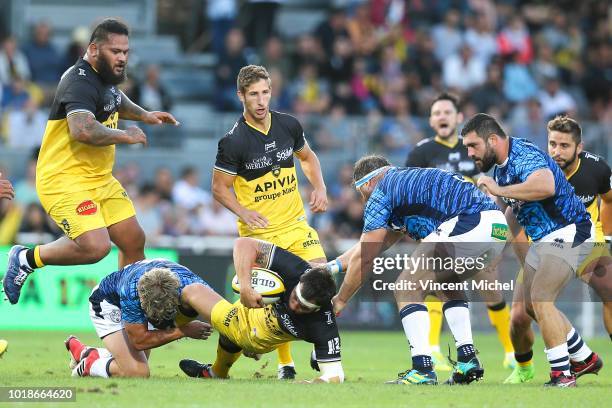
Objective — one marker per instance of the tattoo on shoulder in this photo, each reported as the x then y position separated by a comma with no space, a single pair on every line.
264,253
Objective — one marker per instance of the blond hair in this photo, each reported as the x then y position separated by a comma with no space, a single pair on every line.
250,74
158,293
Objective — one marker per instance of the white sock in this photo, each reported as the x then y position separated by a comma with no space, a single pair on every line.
435,349
99,368
577,348
103,353
415,321
558,357
457,316
23,260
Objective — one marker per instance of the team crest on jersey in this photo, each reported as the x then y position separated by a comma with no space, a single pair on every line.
81,72
66,226
87,207
268,147
115,316
276,171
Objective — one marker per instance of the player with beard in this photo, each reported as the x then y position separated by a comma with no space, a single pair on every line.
74,178
543,202
590,176
446,151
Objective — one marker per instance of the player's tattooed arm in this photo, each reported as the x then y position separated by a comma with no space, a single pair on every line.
84,128
129,110
249,252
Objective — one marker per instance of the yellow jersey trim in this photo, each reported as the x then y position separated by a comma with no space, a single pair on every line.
575,170
258,129
445,143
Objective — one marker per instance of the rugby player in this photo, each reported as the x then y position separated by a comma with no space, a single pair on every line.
433,206
544,204
74,178
589,175
256,158
165,294
446,151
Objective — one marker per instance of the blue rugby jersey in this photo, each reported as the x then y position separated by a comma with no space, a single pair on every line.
539,218
120,288
416,200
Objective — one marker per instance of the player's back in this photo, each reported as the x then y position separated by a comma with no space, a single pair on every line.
539,218
417,200
64,164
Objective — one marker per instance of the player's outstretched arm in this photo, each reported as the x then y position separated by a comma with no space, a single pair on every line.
144,339
312,170
369,247
6,189
131,111
84,128
538,186
221,189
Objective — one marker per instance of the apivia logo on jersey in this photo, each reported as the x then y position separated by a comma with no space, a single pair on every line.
270,189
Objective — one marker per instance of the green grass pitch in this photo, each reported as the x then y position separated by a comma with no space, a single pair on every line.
369,359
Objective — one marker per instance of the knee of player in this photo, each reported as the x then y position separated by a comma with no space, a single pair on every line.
99,250
134,370
519,316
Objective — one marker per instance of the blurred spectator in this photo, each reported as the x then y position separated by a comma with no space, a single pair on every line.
25,127
148,212
311,92
528,122
215,219
519,85
463,71
129,176
25,189
13,63
481,39
187,192
339,67
334,132
221,14
307,51
544,64
490,93
554,100
151,94
35,220
227,70
398,133
76,48
348,219
447,36
555,34
515,38
331,29
274,57
362,32
281,98
44,60
164,183
262,15
15,94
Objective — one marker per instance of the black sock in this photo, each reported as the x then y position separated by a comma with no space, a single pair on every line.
523,358
498,306
422,363
610,336
30,258
465,353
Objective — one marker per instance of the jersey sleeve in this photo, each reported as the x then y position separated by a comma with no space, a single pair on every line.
606,178
377,212
299,138
228,156
289,266
323,333
530,161
131,312
80,95
416,158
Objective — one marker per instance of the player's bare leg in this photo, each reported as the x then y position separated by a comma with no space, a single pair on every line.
130,239
87,248
118,359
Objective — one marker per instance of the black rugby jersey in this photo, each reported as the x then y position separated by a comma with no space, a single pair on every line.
591,178
263,164
64,164
436,153
318,327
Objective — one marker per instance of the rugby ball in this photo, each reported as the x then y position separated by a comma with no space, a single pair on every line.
265,282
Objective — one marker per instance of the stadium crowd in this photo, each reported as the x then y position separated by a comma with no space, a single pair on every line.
382,61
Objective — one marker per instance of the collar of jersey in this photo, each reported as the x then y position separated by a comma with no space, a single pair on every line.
256,128
445,143
575,170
